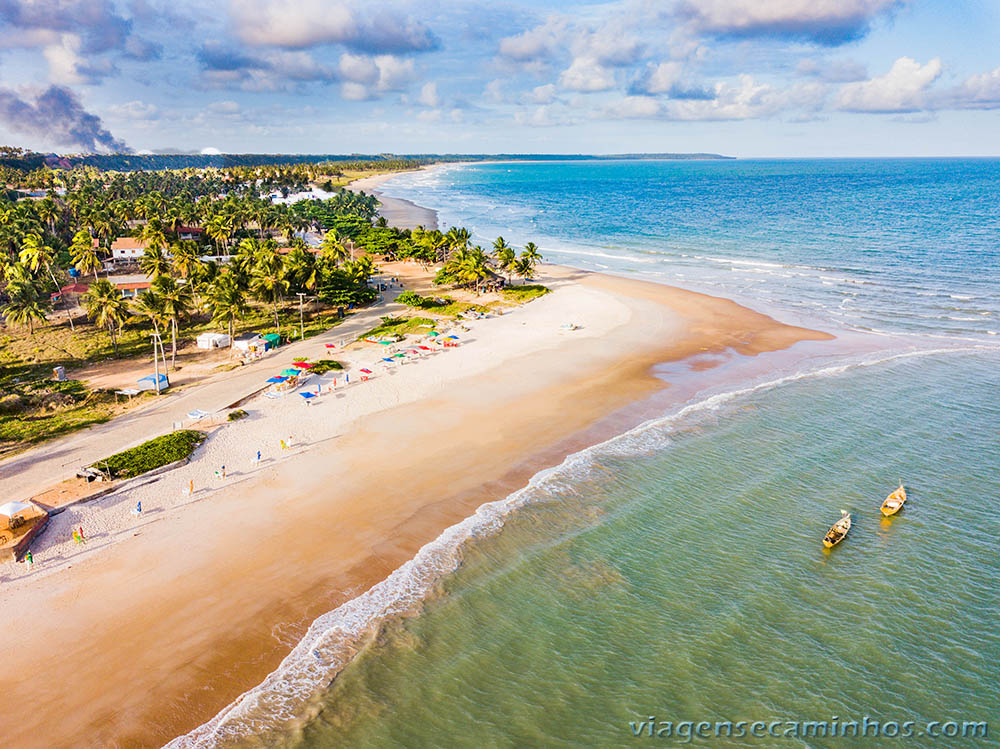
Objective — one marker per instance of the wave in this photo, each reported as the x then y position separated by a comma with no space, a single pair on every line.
334,638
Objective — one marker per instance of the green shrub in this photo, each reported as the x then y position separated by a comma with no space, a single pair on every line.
525,293
152,454
323,366
410,299
238,414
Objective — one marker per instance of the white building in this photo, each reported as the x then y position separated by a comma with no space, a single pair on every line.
128,248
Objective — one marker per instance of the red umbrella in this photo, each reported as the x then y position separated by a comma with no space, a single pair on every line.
331,345
425,348
304,365
366,371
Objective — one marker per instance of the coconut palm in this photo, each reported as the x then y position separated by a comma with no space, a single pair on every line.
149,305
302,270
505,257
83,254
37,255
220,229
531,253
227,301
154,262
153,235
334,249
26,305
185,257
268,283
177,301
105,306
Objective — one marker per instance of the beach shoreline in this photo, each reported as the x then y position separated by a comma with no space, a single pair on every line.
167,622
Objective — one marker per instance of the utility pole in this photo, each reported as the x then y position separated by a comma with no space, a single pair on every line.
302,328
157,341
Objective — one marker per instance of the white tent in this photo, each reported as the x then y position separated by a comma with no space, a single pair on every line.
213,340
12,508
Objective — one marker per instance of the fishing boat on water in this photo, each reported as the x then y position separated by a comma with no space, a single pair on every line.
838,531
894,502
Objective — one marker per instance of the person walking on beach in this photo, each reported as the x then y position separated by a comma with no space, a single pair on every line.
76,536
258,456
283,445
83,539
28,559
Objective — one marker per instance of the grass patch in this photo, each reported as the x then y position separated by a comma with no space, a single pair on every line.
152,454
445,306
236,415
32,412
399,326
322,366
526,293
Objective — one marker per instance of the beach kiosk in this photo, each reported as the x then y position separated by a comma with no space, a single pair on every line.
149,382
213,340
271,340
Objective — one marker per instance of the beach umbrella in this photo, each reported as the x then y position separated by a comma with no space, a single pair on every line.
425,348
331,345
398,356
388,360
366,371
277,378
291,372
12,508
308,396
387,343
433,334
303,365
453,337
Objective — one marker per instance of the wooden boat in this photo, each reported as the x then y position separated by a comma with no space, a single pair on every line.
894,502
838,531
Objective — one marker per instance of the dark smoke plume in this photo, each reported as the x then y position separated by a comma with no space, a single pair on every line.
57,116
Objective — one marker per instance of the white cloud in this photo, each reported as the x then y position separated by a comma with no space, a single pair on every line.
659,79
981,91
903,89
746,100
635,106
540,42
544,94
394,73
822,21
211,151
358,69
135,110
227,106
429,95
67,66
308,23
587,75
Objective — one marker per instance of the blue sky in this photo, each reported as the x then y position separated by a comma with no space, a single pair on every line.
741,77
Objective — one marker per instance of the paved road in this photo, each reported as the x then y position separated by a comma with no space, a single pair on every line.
29,473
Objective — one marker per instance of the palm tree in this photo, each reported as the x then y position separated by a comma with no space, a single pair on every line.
334,249
227,301
105,306
219,228
149,305
36,254
82,252
26,305
505,257
176,301
472,267
525,268
268,283
531,253
154,263
185,257
302,269
153,235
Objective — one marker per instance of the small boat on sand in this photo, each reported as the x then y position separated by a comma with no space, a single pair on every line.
894,502
838,531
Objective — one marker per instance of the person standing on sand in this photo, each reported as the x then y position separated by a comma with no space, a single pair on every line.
83,538
76,536
258,456
28,559
283,445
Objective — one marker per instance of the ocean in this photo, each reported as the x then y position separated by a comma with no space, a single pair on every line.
671,580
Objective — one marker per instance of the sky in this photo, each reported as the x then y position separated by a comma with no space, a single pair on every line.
748,78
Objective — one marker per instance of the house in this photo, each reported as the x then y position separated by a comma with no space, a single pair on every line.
128,248
250,343
131,289
189,232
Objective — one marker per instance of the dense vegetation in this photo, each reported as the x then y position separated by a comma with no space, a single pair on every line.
152,454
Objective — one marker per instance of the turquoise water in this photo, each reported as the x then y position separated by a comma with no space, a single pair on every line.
676,572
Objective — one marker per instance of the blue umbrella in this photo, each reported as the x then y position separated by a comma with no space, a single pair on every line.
388,360
277,379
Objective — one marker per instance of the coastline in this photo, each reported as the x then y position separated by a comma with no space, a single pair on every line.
399,212
163,651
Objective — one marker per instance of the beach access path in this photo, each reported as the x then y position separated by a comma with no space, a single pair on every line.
29,473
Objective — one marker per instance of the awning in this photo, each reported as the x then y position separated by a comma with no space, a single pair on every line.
12,508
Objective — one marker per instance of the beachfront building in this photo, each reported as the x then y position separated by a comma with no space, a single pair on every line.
131,289
128,248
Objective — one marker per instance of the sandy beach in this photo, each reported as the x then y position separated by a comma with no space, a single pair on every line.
398,212
161,621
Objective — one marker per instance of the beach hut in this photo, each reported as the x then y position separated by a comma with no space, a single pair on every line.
249,343
271,340
149,382
213,340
